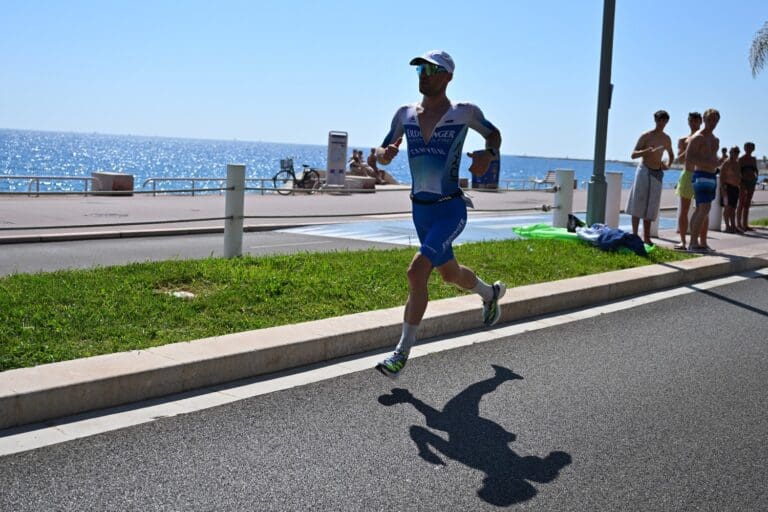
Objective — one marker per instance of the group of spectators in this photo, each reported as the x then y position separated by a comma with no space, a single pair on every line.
698,152
369,167
738,179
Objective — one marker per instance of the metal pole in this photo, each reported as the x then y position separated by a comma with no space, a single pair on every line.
596,189
233,210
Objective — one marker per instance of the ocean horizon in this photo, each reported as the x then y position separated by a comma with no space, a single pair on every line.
69,154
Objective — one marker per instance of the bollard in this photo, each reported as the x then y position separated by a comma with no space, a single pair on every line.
233,210
716,211
613,198
563,197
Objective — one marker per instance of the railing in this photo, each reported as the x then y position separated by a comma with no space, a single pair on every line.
517,184
268,188
194,181
35,180
523,184
510,185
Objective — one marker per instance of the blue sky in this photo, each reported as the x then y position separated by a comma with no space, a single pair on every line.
290,71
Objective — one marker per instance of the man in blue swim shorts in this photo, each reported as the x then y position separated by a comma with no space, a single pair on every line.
702,157
435,130
684,188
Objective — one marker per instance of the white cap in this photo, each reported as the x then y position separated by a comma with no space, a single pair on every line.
438,57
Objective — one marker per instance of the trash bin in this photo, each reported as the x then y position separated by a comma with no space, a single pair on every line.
489,180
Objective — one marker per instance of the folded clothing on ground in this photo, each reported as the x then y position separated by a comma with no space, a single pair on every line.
613,239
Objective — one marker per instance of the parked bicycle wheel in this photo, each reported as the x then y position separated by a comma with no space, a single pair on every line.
283,182
311,181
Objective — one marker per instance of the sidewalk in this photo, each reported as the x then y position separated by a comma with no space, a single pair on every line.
51,391
51,218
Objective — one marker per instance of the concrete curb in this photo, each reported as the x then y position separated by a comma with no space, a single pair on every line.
45,392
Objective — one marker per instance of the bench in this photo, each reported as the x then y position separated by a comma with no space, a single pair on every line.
548,181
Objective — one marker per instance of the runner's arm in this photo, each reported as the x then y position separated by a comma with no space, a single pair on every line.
490,133
389,148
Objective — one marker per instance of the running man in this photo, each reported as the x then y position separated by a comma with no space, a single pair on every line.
645,196
702,156
684,188
435,130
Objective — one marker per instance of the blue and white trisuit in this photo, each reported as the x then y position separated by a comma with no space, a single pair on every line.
439,211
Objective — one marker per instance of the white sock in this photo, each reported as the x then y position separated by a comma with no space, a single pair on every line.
483,289
408,338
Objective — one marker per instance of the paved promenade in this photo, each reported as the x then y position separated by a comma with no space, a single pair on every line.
48,217
53,391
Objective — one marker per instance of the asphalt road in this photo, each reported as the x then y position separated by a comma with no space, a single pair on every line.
658,407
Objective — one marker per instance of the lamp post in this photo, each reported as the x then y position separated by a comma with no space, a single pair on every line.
596,189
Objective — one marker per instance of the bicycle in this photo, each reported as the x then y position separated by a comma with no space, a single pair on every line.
286,182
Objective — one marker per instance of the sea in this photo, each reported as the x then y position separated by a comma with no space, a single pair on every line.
56,154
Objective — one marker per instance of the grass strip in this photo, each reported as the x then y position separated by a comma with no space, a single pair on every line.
57,316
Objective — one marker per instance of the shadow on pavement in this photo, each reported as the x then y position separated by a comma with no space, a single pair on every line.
733,302
480,443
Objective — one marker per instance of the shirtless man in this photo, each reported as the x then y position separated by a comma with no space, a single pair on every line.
645,196
685,184
730,180
435,129
703,159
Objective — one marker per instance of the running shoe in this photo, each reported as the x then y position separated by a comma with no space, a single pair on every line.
491,311
393,365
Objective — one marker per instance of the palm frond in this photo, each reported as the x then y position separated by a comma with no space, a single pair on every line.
758,53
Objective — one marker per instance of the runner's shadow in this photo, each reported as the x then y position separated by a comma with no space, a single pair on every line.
480,443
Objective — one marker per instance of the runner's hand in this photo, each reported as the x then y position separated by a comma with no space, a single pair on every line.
481,160
390,152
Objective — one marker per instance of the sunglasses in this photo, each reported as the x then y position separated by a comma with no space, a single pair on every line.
429,69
